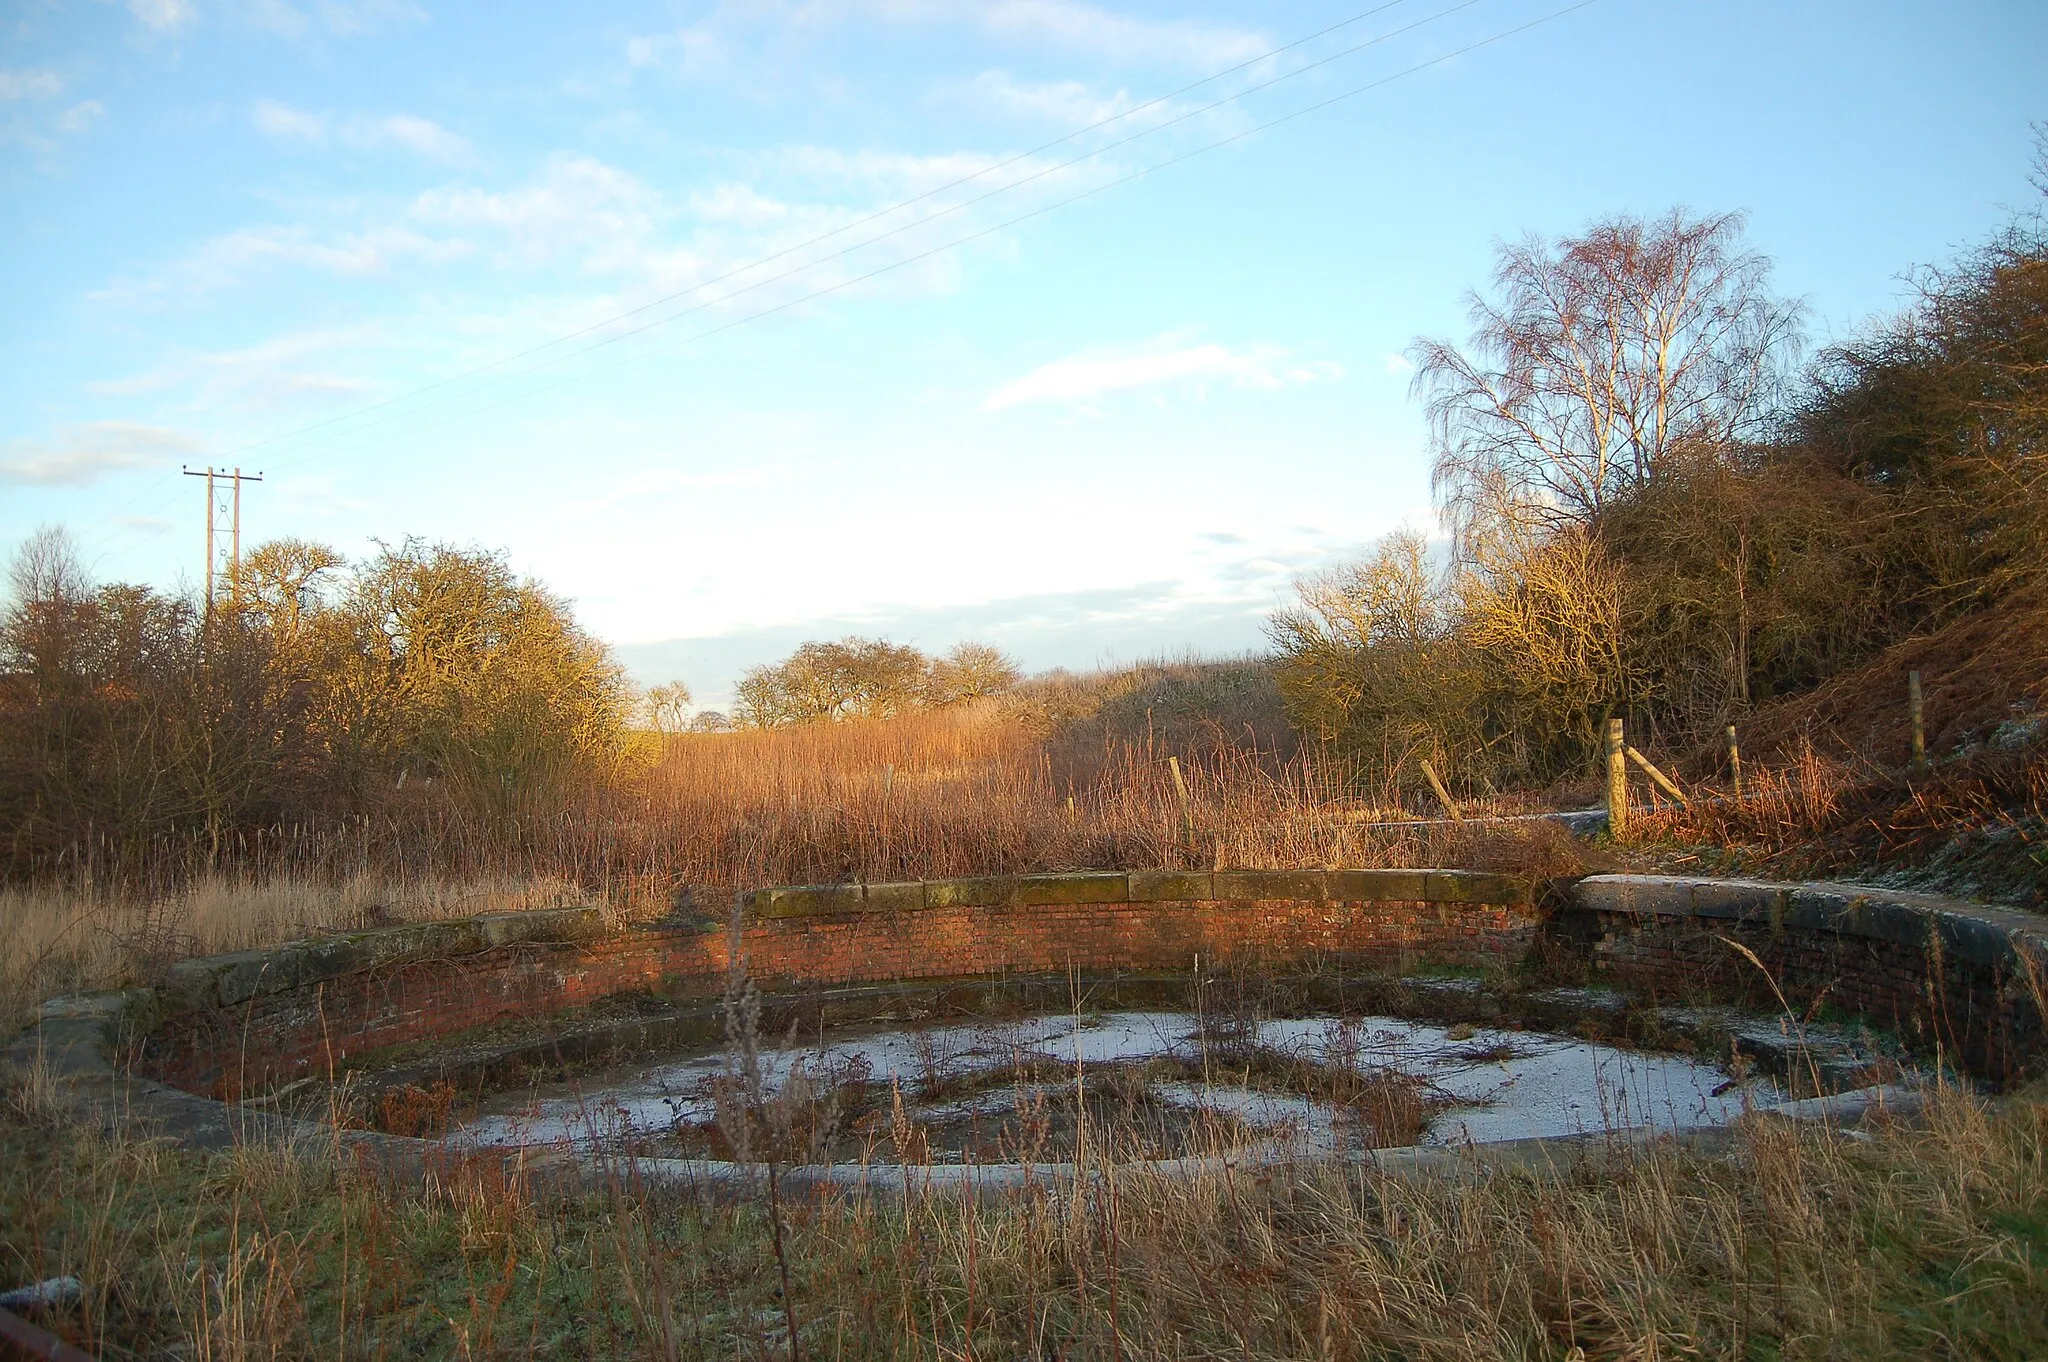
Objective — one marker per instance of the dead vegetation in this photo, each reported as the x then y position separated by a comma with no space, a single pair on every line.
1927,1239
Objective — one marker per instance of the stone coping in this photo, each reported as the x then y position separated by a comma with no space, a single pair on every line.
1145,886
1980,934
231,979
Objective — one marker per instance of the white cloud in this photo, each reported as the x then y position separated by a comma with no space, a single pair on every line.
737,203
30,84
275,119
1399,366
82,454
579,202
1093,29
285,372
230,257
714,42
1066,103
1090,374
163,16
339,18
80,116
421,136
40,128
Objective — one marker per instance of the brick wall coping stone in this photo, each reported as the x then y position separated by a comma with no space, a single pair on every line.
234,978
1144,886
1981,934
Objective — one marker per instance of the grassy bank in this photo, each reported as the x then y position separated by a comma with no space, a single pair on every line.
1930,1239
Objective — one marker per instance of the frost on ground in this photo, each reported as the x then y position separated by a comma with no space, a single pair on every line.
1157,1083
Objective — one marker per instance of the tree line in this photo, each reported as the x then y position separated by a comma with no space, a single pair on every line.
868,678
1655,505
313,690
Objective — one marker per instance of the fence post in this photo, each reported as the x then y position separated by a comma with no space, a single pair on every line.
1617,779
1187,805
1918,719
1734,762
1662,781
1436,783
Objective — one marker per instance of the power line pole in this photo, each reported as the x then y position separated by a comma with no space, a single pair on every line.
223,503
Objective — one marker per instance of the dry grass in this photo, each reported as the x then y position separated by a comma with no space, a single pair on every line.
1976,824
1929,1240
61,938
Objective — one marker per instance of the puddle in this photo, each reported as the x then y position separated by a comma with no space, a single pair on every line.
1159,1083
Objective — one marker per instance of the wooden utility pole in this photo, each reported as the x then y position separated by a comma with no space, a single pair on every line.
1918,719
1617,779
223,503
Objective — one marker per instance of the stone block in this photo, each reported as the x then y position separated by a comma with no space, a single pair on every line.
104,1008
1475,886
904,896
1086,887
188,986
1640,895
1171,886
240,976
993,891
550,924
805,900
1738,900
1251,886
1376,886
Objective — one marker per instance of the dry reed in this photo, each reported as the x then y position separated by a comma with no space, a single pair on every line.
1929,1239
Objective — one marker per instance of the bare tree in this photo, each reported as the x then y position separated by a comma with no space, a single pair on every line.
668,707
970,671
46,568
282,580
866,678
1599,357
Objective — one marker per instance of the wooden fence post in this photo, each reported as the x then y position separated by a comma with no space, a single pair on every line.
1187,805
1735,762
1617,780
1436,783
1918,719
1657,777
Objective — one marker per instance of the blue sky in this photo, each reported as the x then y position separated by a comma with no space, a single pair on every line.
1085,416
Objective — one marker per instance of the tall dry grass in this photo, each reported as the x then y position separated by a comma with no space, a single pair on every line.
57,938
1920,1240
1975,823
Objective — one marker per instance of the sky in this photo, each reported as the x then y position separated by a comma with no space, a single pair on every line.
1075,327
